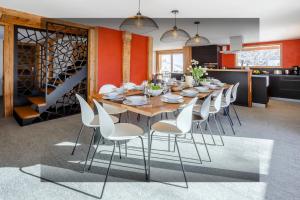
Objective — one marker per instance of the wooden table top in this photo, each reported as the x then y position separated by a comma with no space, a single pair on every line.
155,106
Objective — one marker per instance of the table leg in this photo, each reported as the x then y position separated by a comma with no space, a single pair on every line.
149,146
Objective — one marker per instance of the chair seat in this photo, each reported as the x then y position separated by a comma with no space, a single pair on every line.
95,122
166,126
197,117
126,131
212,110
113,110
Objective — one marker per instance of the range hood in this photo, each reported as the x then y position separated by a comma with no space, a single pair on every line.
236,45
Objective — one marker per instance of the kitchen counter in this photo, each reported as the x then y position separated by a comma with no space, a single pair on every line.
285,86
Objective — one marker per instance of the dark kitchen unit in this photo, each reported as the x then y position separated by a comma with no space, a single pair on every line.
208,56
285,86
260,85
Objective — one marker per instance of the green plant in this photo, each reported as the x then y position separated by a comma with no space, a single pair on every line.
197,72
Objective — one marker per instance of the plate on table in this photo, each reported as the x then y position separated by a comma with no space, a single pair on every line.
135,100
189,93
171,100
113,97
202,89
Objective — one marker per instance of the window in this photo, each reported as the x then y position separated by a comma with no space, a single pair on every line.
169,61
260,56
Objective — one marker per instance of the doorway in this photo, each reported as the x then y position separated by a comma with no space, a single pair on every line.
1,71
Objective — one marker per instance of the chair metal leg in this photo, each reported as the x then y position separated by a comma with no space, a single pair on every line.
209,129
120,153
205,144
125,148
237,116
127,114
227,114
144,157
77,139
87,155
220,123
219,131
185,179
107,172
169,142
196,148
95,153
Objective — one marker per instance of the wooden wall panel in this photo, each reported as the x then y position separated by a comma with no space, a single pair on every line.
8,69
92,76
126,56
187,57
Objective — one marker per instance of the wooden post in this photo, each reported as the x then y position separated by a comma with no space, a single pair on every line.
126,56
150,57
187,57
8,69
92,73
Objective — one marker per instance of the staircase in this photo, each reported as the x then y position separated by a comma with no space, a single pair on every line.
51,92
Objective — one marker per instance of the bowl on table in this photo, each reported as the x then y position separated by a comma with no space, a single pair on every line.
120,90
205,83
155,92
202,89
139,87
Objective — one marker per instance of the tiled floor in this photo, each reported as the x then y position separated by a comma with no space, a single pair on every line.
261,162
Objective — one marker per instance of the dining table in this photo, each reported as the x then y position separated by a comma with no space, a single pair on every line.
155,106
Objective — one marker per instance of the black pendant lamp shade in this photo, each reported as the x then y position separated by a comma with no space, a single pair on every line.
197,40
175,34
138,24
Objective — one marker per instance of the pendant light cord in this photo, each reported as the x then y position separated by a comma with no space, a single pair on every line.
139,11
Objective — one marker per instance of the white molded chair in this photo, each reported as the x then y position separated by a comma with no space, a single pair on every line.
112,110
214,109
200,116
233,99
116,133
90,120
225,105
179,127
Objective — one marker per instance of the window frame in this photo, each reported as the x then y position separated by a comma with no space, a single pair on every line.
262,47
168,52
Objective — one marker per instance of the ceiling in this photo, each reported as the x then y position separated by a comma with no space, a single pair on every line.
279,19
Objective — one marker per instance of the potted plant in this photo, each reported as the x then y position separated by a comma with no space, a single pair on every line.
198,72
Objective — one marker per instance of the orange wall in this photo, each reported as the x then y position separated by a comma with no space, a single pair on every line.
139,59
110,46
290,53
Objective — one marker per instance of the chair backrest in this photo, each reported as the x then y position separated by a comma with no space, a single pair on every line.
129,86
234,91
218,100
87,113
107,126
184,119
204,110
228,96
107,88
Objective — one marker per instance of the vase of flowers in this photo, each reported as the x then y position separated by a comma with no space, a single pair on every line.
198,72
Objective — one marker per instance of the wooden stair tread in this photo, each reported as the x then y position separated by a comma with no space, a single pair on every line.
39,101
26,112
49,90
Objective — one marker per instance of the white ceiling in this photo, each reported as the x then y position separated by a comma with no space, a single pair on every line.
279,19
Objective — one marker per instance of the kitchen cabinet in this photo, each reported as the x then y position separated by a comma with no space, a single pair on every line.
285,86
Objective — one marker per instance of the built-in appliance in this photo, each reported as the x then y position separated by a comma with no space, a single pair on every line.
286,71
277,71
296,70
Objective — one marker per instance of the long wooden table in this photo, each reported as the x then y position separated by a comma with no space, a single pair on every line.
155,107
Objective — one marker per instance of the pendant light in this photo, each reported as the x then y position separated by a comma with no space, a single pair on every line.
138,24
175,34
197,40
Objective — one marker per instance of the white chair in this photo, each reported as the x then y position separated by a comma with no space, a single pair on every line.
233,99
178,127
116,133
200,116
112,110
214,109
90,120
225,105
